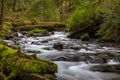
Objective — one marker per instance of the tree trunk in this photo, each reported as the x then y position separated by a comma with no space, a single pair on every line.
44,7
1,15
61,10
14,5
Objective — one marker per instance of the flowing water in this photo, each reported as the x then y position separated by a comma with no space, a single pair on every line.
73,61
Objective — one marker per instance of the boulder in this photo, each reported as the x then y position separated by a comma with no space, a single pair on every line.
58,46
85,37
61,58
107,68
44,41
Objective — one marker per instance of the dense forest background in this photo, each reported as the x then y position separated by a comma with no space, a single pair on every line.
92,18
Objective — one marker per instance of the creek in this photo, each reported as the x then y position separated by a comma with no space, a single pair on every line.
76,58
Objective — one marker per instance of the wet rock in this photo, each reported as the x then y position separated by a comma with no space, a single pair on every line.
69,36
84,58
58,46
61,58
98,60
9,37
36,43
107,68
75,48
117,57
23,32
85,37
73,58
66,30
33,42
44,41
33,51
47,48
52,32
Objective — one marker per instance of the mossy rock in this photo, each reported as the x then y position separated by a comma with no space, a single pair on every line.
49,77
7,30
15,67
37,32
18,66
85,37
2,34
2,76
115,68
15,24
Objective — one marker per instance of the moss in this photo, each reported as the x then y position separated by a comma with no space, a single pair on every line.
15,24
36,31
2,76
27,66
8,25
49,77
18,66
7,30
5,51
2,34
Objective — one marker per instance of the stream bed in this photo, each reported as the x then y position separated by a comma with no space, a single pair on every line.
76,58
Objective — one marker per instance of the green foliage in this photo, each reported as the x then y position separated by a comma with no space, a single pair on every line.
82,16
77,18
34,10
42,11
97,18
2,34
85,20
6,30
109,30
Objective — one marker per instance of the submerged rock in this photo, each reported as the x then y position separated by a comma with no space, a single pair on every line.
61,58
44,41
58,46
107,68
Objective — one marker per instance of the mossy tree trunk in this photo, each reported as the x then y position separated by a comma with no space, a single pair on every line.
14,5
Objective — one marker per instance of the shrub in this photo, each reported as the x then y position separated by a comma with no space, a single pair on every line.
85,21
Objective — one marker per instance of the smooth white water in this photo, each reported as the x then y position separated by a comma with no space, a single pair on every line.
80,71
